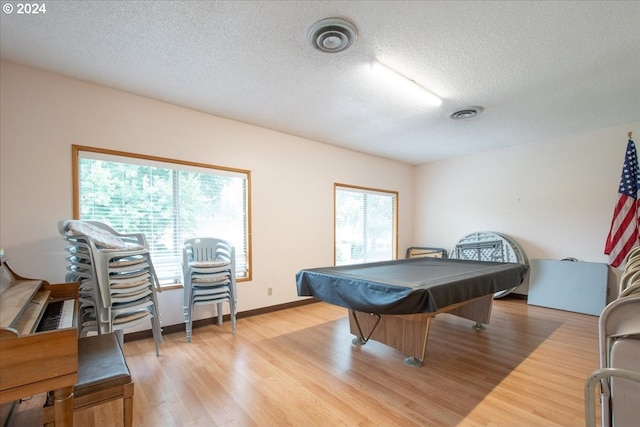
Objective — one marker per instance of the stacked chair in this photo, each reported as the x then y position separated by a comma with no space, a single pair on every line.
209,277
619,345
630,280
117,281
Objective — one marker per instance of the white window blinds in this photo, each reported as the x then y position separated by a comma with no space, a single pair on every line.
168,202
365,225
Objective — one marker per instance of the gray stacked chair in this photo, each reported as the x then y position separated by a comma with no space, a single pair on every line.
619,372
80,270
209,277
117,281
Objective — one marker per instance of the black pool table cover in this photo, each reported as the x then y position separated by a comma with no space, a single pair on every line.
408,286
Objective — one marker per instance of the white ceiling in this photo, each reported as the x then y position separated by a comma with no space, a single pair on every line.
540,69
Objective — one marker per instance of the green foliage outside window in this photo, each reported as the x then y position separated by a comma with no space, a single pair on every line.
168,203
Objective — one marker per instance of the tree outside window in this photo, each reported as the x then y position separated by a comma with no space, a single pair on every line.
365,224
168,201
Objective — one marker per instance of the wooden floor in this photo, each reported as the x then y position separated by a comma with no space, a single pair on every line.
297,367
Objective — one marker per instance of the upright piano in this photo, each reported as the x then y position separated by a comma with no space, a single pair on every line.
38,355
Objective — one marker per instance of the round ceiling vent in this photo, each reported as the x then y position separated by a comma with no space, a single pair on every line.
466,113
332,35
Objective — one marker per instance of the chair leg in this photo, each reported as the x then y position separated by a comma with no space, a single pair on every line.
187,315
154,332
156,313
127,405
158,327
189,323
48,416
219,309
232,311
120,336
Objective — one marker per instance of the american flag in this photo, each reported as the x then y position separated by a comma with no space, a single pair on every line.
624,226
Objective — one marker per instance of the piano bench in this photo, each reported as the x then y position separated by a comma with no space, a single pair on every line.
103,376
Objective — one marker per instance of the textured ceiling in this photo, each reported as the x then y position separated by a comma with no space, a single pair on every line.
540,69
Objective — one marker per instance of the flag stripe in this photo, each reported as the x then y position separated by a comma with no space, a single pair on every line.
623,219
626,242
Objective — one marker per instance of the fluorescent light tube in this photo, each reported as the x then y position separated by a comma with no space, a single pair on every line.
404,83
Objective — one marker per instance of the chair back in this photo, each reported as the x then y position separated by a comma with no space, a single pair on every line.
619,336
208,249
620,317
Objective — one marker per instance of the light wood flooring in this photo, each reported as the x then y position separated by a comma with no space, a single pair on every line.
297,367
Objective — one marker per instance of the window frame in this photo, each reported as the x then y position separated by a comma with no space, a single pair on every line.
368,190
75,169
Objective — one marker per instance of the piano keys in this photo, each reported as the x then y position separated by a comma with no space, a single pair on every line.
57,315
37,361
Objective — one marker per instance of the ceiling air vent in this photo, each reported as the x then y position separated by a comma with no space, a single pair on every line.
332,35
466,113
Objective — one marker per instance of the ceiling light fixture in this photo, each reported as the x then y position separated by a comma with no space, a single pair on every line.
332,35
402,82
466,113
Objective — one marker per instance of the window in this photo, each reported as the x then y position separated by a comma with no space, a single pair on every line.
365,224
167,200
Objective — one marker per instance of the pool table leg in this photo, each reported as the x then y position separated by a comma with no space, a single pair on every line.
414,361
360,339
409,333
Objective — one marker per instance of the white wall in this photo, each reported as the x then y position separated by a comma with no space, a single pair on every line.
43,114
555,198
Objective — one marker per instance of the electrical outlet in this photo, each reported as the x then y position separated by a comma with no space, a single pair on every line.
269,291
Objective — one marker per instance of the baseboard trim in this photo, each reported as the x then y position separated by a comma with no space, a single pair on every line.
171,329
